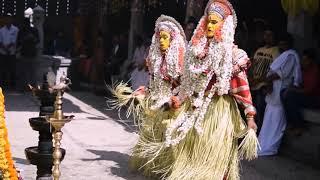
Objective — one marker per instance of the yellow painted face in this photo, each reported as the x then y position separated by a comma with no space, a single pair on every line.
165,40
214,23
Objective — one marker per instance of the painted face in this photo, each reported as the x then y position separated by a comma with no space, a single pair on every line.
214,24
165,39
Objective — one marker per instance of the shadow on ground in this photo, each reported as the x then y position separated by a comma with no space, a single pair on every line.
121,168
100,103
26,102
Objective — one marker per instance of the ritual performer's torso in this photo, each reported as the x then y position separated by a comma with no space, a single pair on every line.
164,78
240,63
165,60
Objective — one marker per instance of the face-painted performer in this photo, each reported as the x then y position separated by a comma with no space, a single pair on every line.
203,138
165,60
165,63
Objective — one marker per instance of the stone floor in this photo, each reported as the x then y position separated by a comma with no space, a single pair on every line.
98,143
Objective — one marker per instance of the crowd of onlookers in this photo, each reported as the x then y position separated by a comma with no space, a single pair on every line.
283,83
19,48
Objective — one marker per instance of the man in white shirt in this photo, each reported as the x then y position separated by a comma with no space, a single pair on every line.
8,45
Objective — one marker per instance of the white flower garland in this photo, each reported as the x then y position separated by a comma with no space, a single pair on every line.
218,63
161,90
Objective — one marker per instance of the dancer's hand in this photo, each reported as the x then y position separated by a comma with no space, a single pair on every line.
140,91
175,102
251,123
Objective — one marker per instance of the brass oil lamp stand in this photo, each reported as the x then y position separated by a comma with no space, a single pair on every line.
57,121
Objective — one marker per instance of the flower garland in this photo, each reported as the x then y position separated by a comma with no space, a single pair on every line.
6,163
217,62
161,88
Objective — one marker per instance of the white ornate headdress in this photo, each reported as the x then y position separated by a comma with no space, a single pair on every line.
176,51
219,6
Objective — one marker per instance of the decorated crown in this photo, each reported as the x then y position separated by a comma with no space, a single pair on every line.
220,9
223,8
169,24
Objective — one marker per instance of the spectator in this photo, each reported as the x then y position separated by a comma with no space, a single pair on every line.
110,70
296,99
85,62
118,56
189,27
98,63
261,62
8,47
256,39
28,38
284,72
139,76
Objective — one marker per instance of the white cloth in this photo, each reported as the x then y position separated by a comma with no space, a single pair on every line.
9,36
139,77
274,125
281,62
287,67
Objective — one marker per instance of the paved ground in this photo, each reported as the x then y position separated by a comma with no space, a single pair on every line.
98,145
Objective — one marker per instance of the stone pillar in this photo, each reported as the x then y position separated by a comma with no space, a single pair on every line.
38,18
136,24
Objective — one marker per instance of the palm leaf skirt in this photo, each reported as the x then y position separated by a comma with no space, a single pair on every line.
213,155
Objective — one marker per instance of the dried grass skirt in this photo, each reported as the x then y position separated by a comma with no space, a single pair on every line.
214,155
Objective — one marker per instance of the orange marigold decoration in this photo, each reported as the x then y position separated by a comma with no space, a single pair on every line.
6,163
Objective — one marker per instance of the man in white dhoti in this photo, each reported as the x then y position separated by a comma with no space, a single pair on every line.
285,71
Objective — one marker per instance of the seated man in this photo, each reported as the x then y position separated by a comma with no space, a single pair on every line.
296,99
